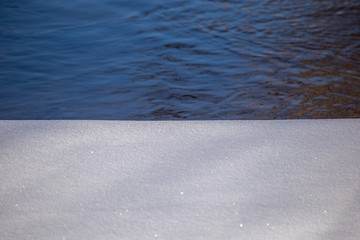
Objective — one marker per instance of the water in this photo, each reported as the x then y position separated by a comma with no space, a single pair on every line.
263,59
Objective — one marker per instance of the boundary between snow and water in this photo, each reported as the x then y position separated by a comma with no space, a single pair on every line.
253,179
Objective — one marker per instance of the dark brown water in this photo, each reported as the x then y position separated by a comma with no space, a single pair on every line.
92,59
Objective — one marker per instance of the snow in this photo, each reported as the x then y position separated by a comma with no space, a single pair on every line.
283,179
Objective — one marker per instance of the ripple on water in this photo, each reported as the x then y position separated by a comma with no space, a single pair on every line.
179,59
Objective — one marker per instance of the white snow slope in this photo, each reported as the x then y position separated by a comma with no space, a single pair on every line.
284,179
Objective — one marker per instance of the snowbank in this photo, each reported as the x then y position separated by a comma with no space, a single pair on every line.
287,179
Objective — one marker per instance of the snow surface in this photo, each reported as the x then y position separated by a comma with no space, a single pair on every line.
285,179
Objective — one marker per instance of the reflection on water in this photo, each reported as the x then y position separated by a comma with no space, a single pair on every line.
200,59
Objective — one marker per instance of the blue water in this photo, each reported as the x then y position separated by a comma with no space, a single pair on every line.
108,59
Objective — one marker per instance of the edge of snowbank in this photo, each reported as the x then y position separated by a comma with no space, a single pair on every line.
281,179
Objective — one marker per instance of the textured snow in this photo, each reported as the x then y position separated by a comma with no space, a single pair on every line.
285,179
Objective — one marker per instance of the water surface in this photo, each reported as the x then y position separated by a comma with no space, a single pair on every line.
264,59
